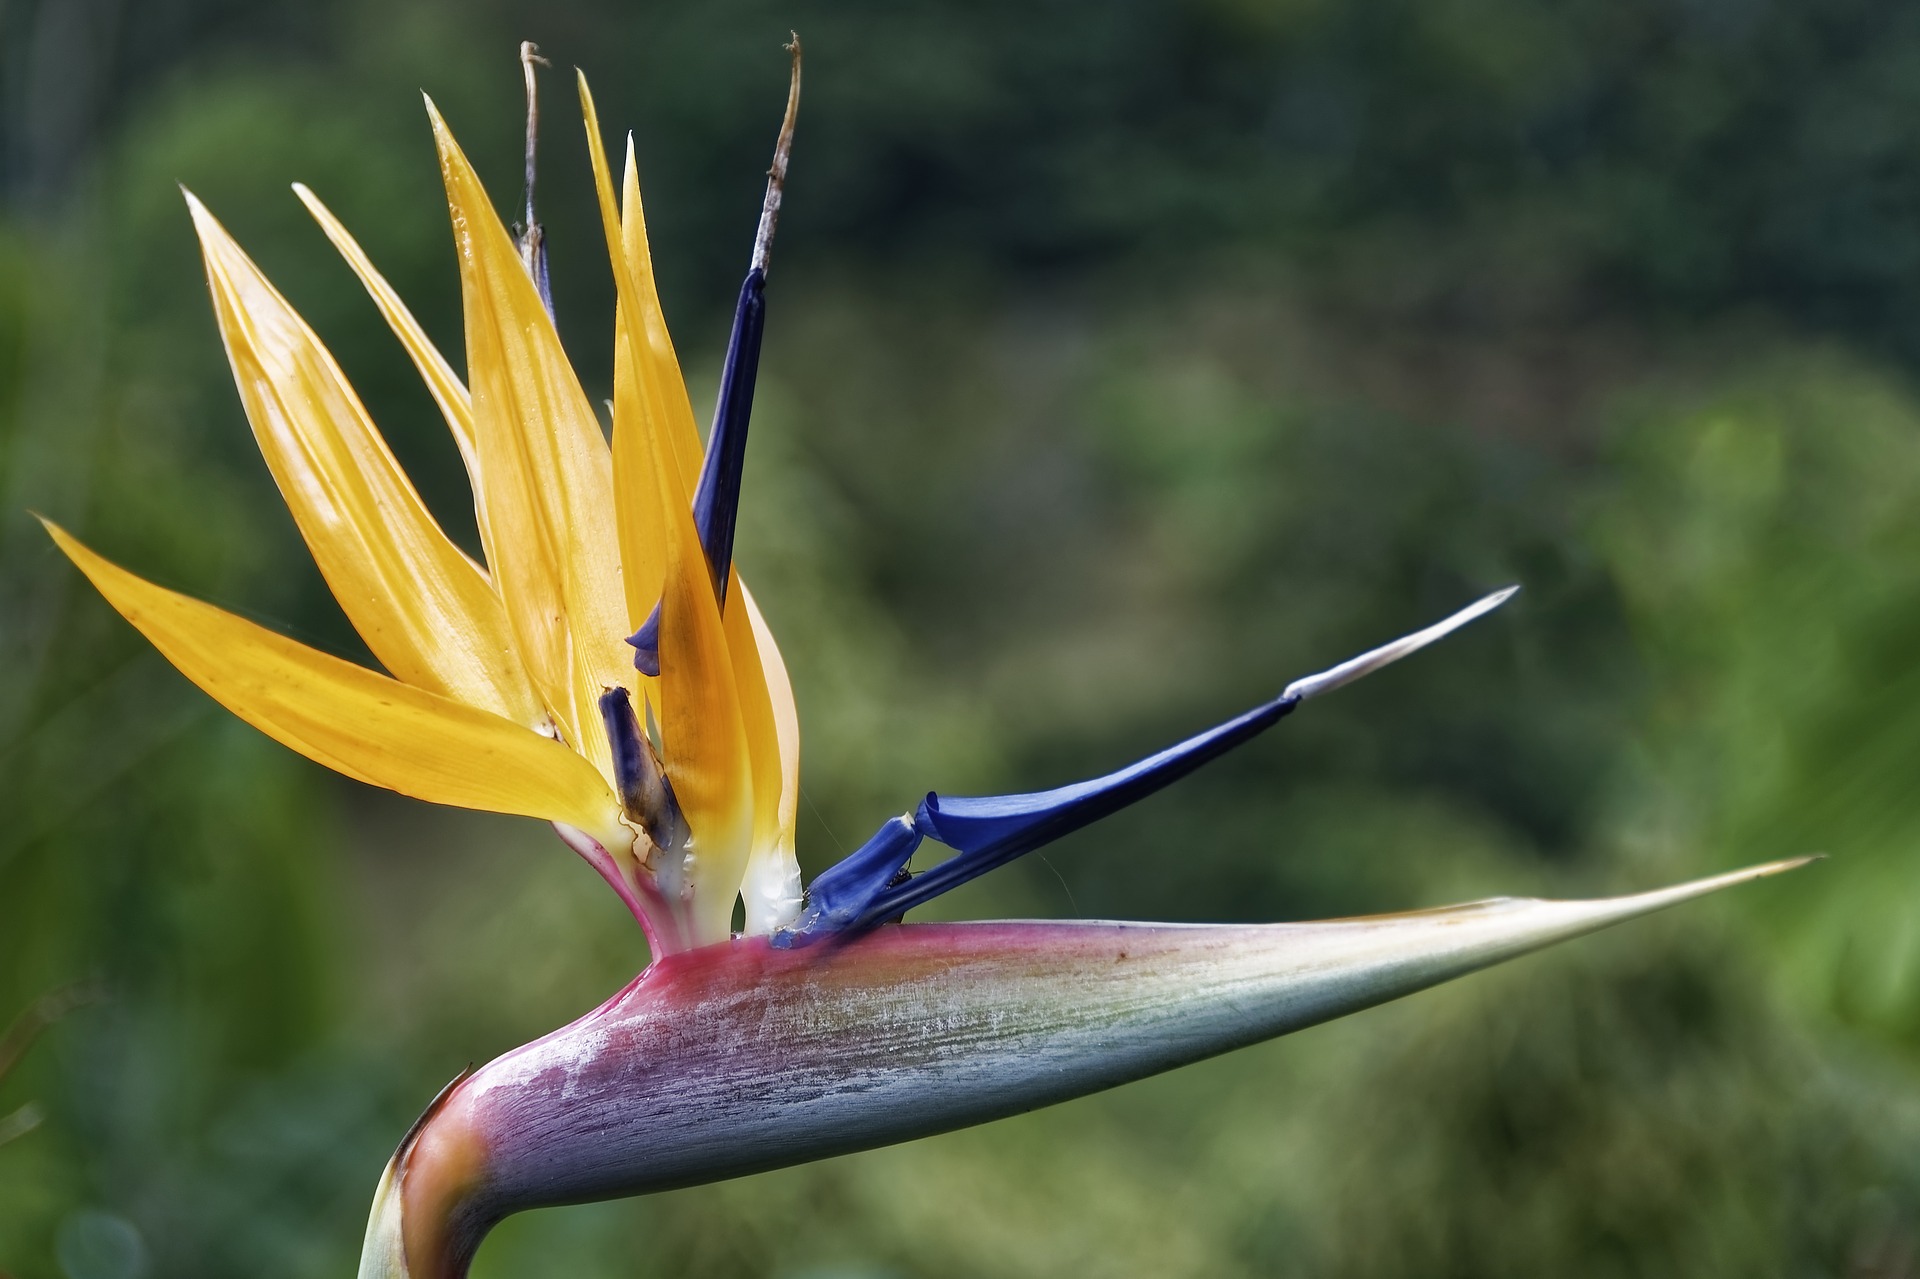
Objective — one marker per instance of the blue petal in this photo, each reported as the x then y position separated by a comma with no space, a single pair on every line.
992,830
646,644
838,899
989,831
645,793
870,886
716,498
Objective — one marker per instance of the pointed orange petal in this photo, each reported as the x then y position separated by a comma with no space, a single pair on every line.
683,434
356,721
448,391
704,739
546,472
423,607
650,396
771,887
640,409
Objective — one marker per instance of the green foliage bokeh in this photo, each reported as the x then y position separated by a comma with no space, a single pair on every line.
1125,361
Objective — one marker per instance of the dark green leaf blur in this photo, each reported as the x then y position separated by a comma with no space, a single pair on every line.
1126,359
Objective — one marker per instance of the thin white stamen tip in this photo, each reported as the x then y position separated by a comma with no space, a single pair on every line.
1367,663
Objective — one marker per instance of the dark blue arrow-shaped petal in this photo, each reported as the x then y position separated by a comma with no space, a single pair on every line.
871,885
716,498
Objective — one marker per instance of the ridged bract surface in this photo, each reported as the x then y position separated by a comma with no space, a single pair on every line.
742,1057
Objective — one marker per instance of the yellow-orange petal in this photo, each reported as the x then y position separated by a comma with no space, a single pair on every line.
770,889
356,721
703,737
640,410
425,609
448,391
546,472
722,749
702,733
683,434
649,395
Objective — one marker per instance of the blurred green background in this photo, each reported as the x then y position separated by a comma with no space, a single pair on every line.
1127,358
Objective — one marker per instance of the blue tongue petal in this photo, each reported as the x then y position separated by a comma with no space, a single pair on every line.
872,885
646,644
716,498
840,898
990,831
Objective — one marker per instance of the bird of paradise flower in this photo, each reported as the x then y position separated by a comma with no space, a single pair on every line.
604,668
